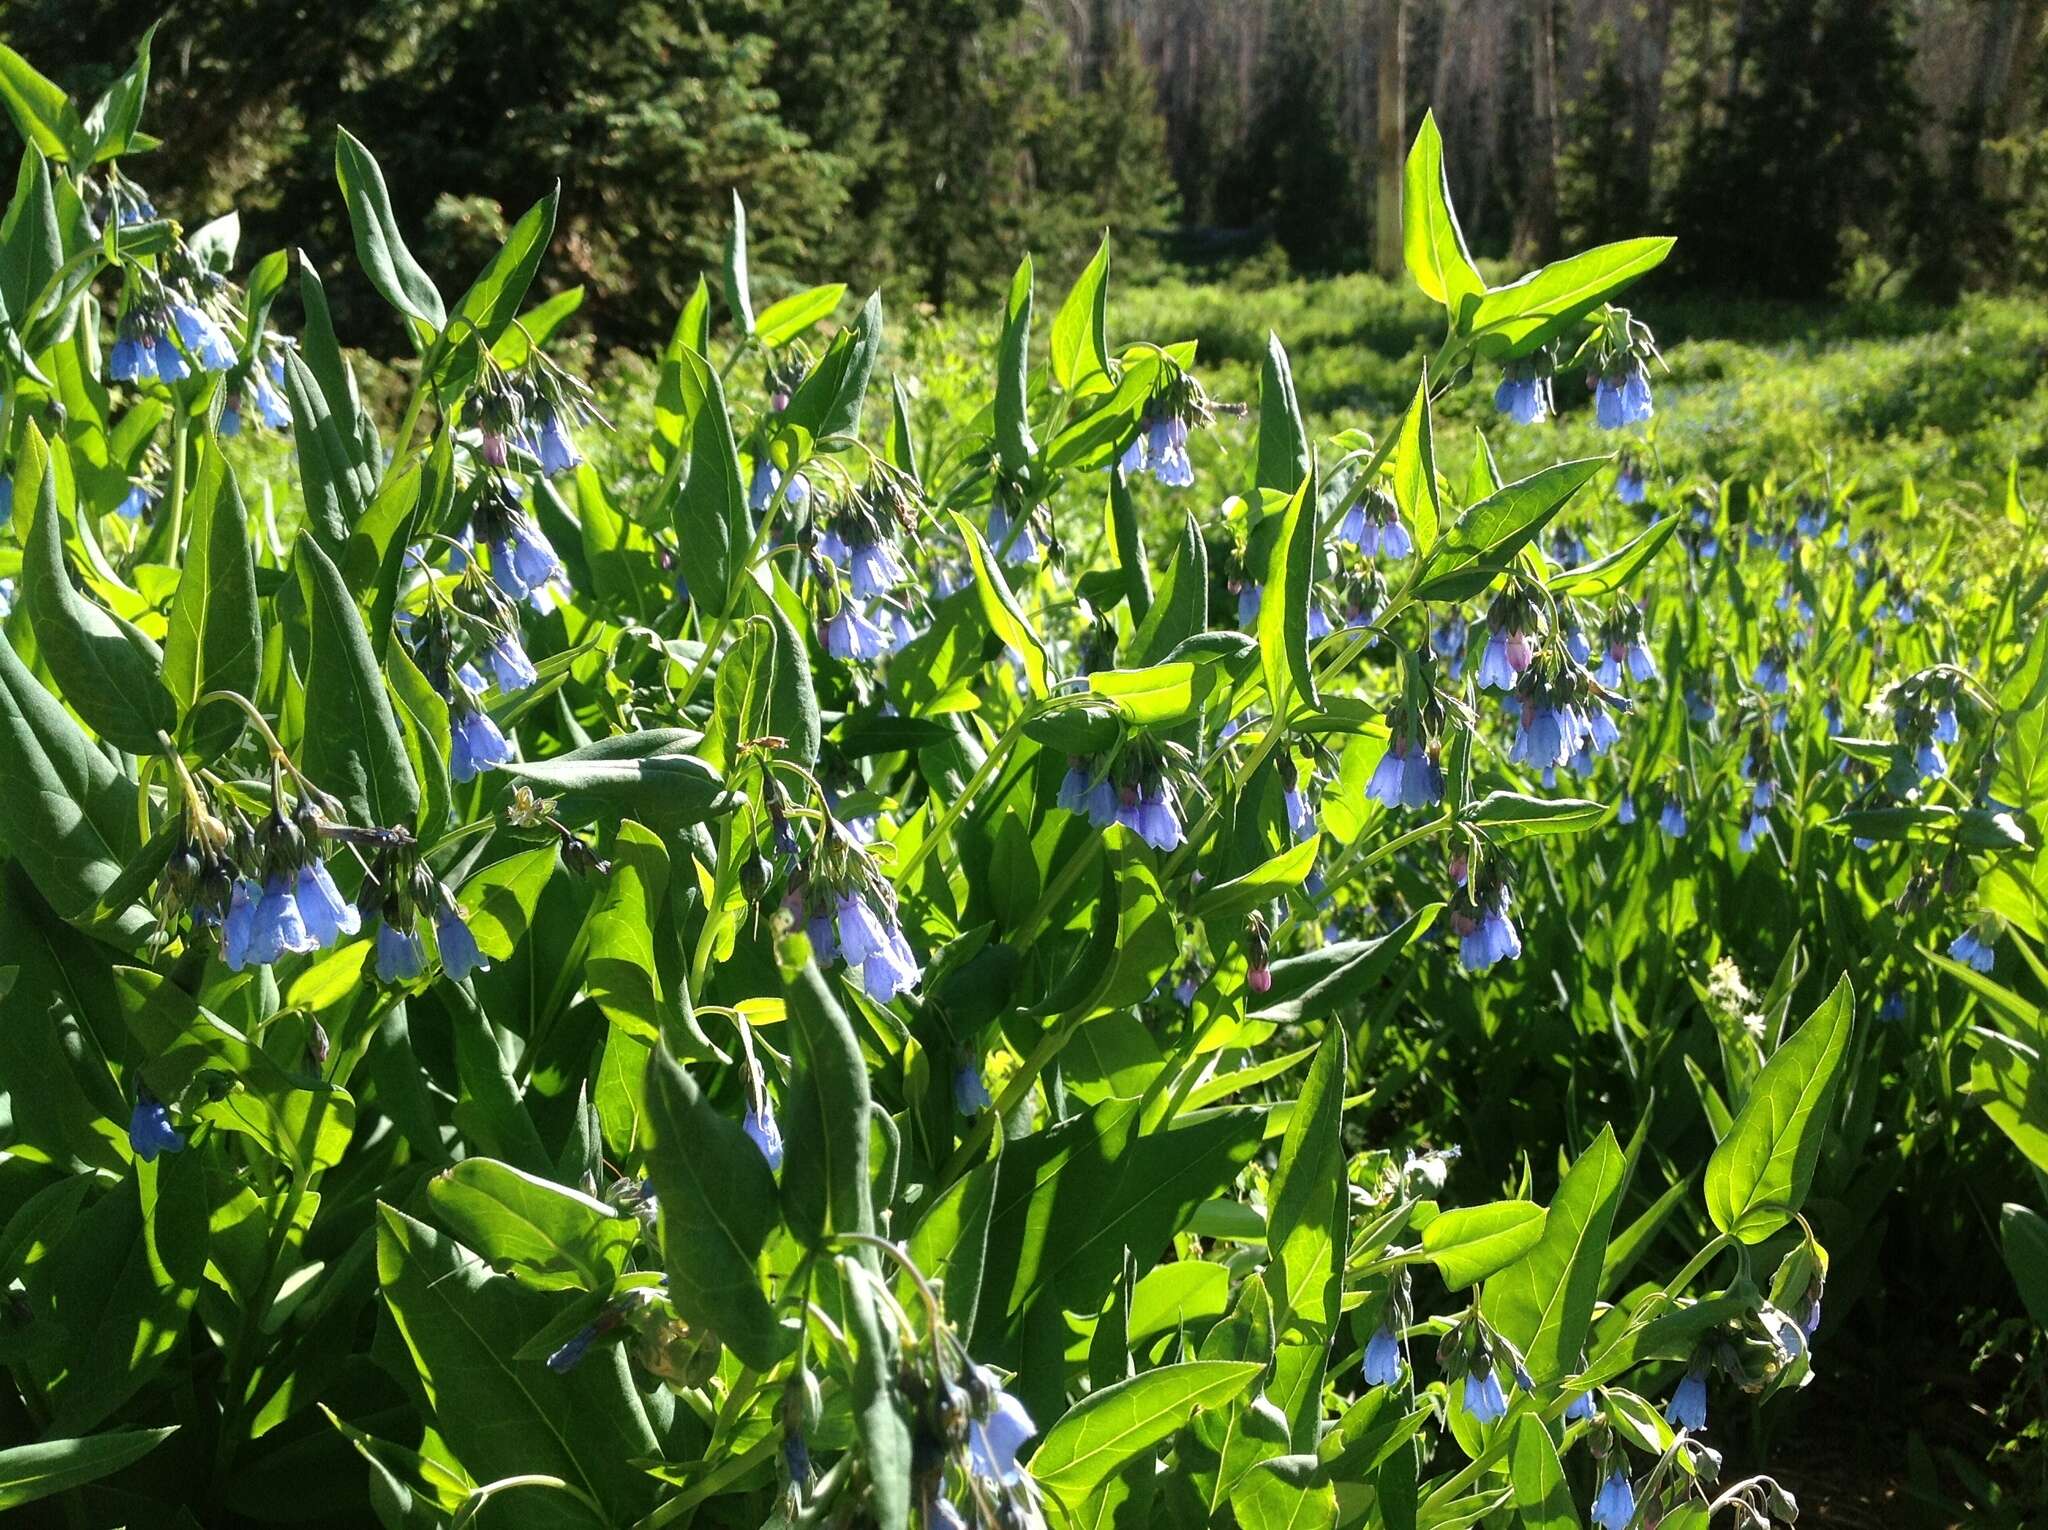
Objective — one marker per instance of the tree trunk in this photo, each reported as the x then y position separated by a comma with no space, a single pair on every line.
1536,221
1393,123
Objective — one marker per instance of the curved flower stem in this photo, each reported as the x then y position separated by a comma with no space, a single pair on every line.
945,821
478,1497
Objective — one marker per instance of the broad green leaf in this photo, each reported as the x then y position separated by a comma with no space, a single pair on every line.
1180,608
216,636
1108,1427
1318,982
739,290
1000,609
1484,540
1228,901
1414,471
41,112
1306,1233
828,401
550,1236
713,528
880,1420
781,322
1014,445
1285,1493
620,972
664,791
108,670
2024,1233
353,747
1543,1500
718,1206
1472,1242
1080,345
487,309
1431,241
1284,458
504,1416
950,1242
1544,1300
679,391
1283,608
499,901
29,1472
1159,695
2015,1097
1528,314
1759,1175
1509,816
111,126
1605,575
336,489
379,245
825,1184
1130,546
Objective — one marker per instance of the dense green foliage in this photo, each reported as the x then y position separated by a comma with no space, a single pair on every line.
927,924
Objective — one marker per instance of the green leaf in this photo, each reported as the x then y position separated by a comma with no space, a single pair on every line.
1320,981
739,292
1000,609
2024,1233
950,1242
1544,1300
1759,1175
42,113
1543,1500
1484,540
718,1206
1605,575
679,390
620,972
501,1415
353,747
1228,901
336,488
31,240
1285,1493
29,1472
500,900
1509,816
825,1184
828,401
107,669
665,792
1284,458
1159,695
1130,546
487,309
781,322
1431,241
1472,1242
1108,1427
552,1237
1283,608
216,636
68,816
1414,468
1180,608
1080,343
883,1424
713,530
379,245
1306,1233
360,453
1014,445
1528,314
111,126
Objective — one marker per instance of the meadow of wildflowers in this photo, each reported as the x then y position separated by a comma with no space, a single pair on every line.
1037,936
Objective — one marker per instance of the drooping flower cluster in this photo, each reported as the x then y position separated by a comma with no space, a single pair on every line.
1161,444
1373,525
1524,394
1479,914
1132,788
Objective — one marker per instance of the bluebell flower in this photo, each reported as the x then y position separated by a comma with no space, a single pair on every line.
523,561
472,677
1394,540
1301,816
1382,1358
1484,1399
994,1440
1672,820
1930,761
761,489
970,1092
876,946
796,1457
203,337
1764,793
833,547
1249,596
849,635
1615,1506
570,1355
1769,676
1486,935
327,915
1319,624
1386,784
1688,1406
6,499
1629,487
1020,547
1354,528
761,1128
1894,1006
149,1128
942,1514
553,444
876,570
460,954
1758,827
401,954
1580,1409
476,744
1525,400
1622,399
509,663
1544,738
1150,815
136,503
1507,655
1974,951
143,352
824,941
1189,985
1133,459
231,417
279,928
1166,446
1627,812
1946,729
7,592
239,924
1699,706
271,407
